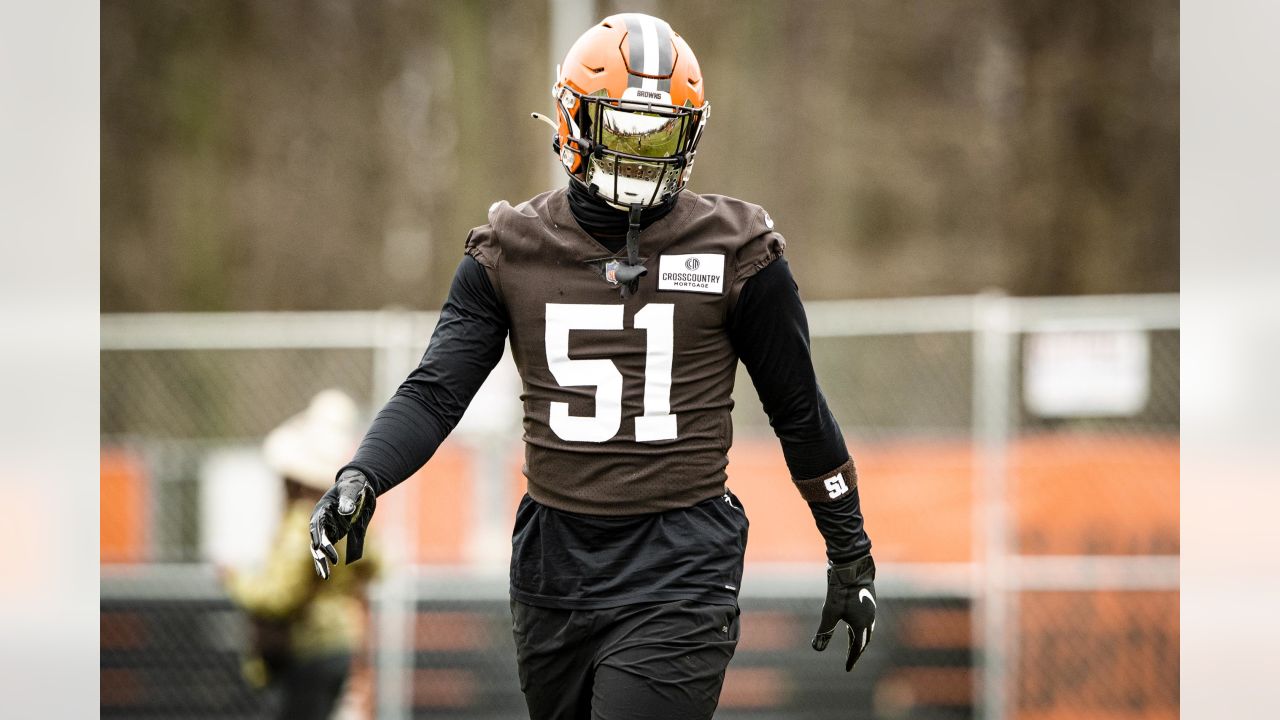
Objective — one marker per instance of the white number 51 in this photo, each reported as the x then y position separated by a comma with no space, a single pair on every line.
657,423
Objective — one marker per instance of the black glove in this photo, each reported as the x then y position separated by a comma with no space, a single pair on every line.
851,597
344,510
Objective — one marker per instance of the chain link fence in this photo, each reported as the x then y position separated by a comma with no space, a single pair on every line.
1017,461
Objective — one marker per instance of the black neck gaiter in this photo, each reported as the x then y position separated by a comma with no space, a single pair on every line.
605,223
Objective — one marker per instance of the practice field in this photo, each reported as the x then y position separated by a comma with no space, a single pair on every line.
1028,562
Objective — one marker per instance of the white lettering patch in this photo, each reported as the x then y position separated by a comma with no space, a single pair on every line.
836,486
702,273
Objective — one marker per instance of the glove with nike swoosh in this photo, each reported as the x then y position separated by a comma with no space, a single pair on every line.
344,511
851,597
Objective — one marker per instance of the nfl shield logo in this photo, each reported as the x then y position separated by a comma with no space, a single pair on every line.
611,272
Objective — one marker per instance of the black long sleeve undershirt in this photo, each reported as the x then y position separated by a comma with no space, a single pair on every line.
767,328
466,345
770,332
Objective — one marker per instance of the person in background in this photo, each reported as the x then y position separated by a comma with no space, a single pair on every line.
306,634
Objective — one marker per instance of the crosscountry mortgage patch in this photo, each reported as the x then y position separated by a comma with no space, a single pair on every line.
702,273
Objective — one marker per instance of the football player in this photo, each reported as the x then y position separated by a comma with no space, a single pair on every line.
628,302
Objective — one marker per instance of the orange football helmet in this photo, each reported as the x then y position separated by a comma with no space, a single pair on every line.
631,108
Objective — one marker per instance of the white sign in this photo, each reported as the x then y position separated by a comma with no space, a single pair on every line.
1073,373
241,503
702,273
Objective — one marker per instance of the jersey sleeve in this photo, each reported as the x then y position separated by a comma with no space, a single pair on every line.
482,246
467,343
762,247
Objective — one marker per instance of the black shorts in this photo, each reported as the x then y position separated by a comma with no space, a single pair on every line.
651,660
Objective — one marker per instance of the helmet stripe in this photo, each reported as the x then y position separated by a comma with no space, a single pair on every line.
636,45
649,32
664,55
664,50
649,44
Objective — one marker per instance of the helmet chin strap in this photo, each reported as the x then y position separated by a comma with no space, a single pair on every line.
630,272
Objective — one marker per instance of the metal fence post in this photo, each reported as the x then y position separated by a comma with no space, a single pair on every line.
393,357
993,352
566,20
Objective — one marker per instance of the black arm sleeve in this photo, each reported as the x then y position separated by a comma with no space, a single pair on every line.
770,333
466,345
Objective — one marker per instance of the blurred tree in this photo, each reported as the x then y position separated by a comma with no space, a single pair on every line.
303,155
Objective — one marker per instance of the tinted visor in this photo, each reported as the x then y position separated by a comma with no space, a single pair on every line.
639,133
646,132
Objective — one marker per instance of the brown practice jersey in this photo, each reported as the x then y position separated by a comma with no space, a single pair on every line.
626,402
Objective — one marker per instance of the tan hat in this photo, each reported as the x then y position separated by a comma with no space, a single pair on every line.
311,446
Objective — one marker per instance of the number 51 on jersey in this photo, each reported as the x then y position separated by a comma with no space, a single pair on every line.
657,423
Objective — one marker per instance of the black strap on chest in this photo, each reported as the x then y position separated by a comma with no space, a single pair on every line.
630,272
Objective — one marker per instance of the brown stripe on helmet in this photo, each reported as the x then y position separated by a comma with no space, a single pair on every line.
635,47
665,52
660,74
